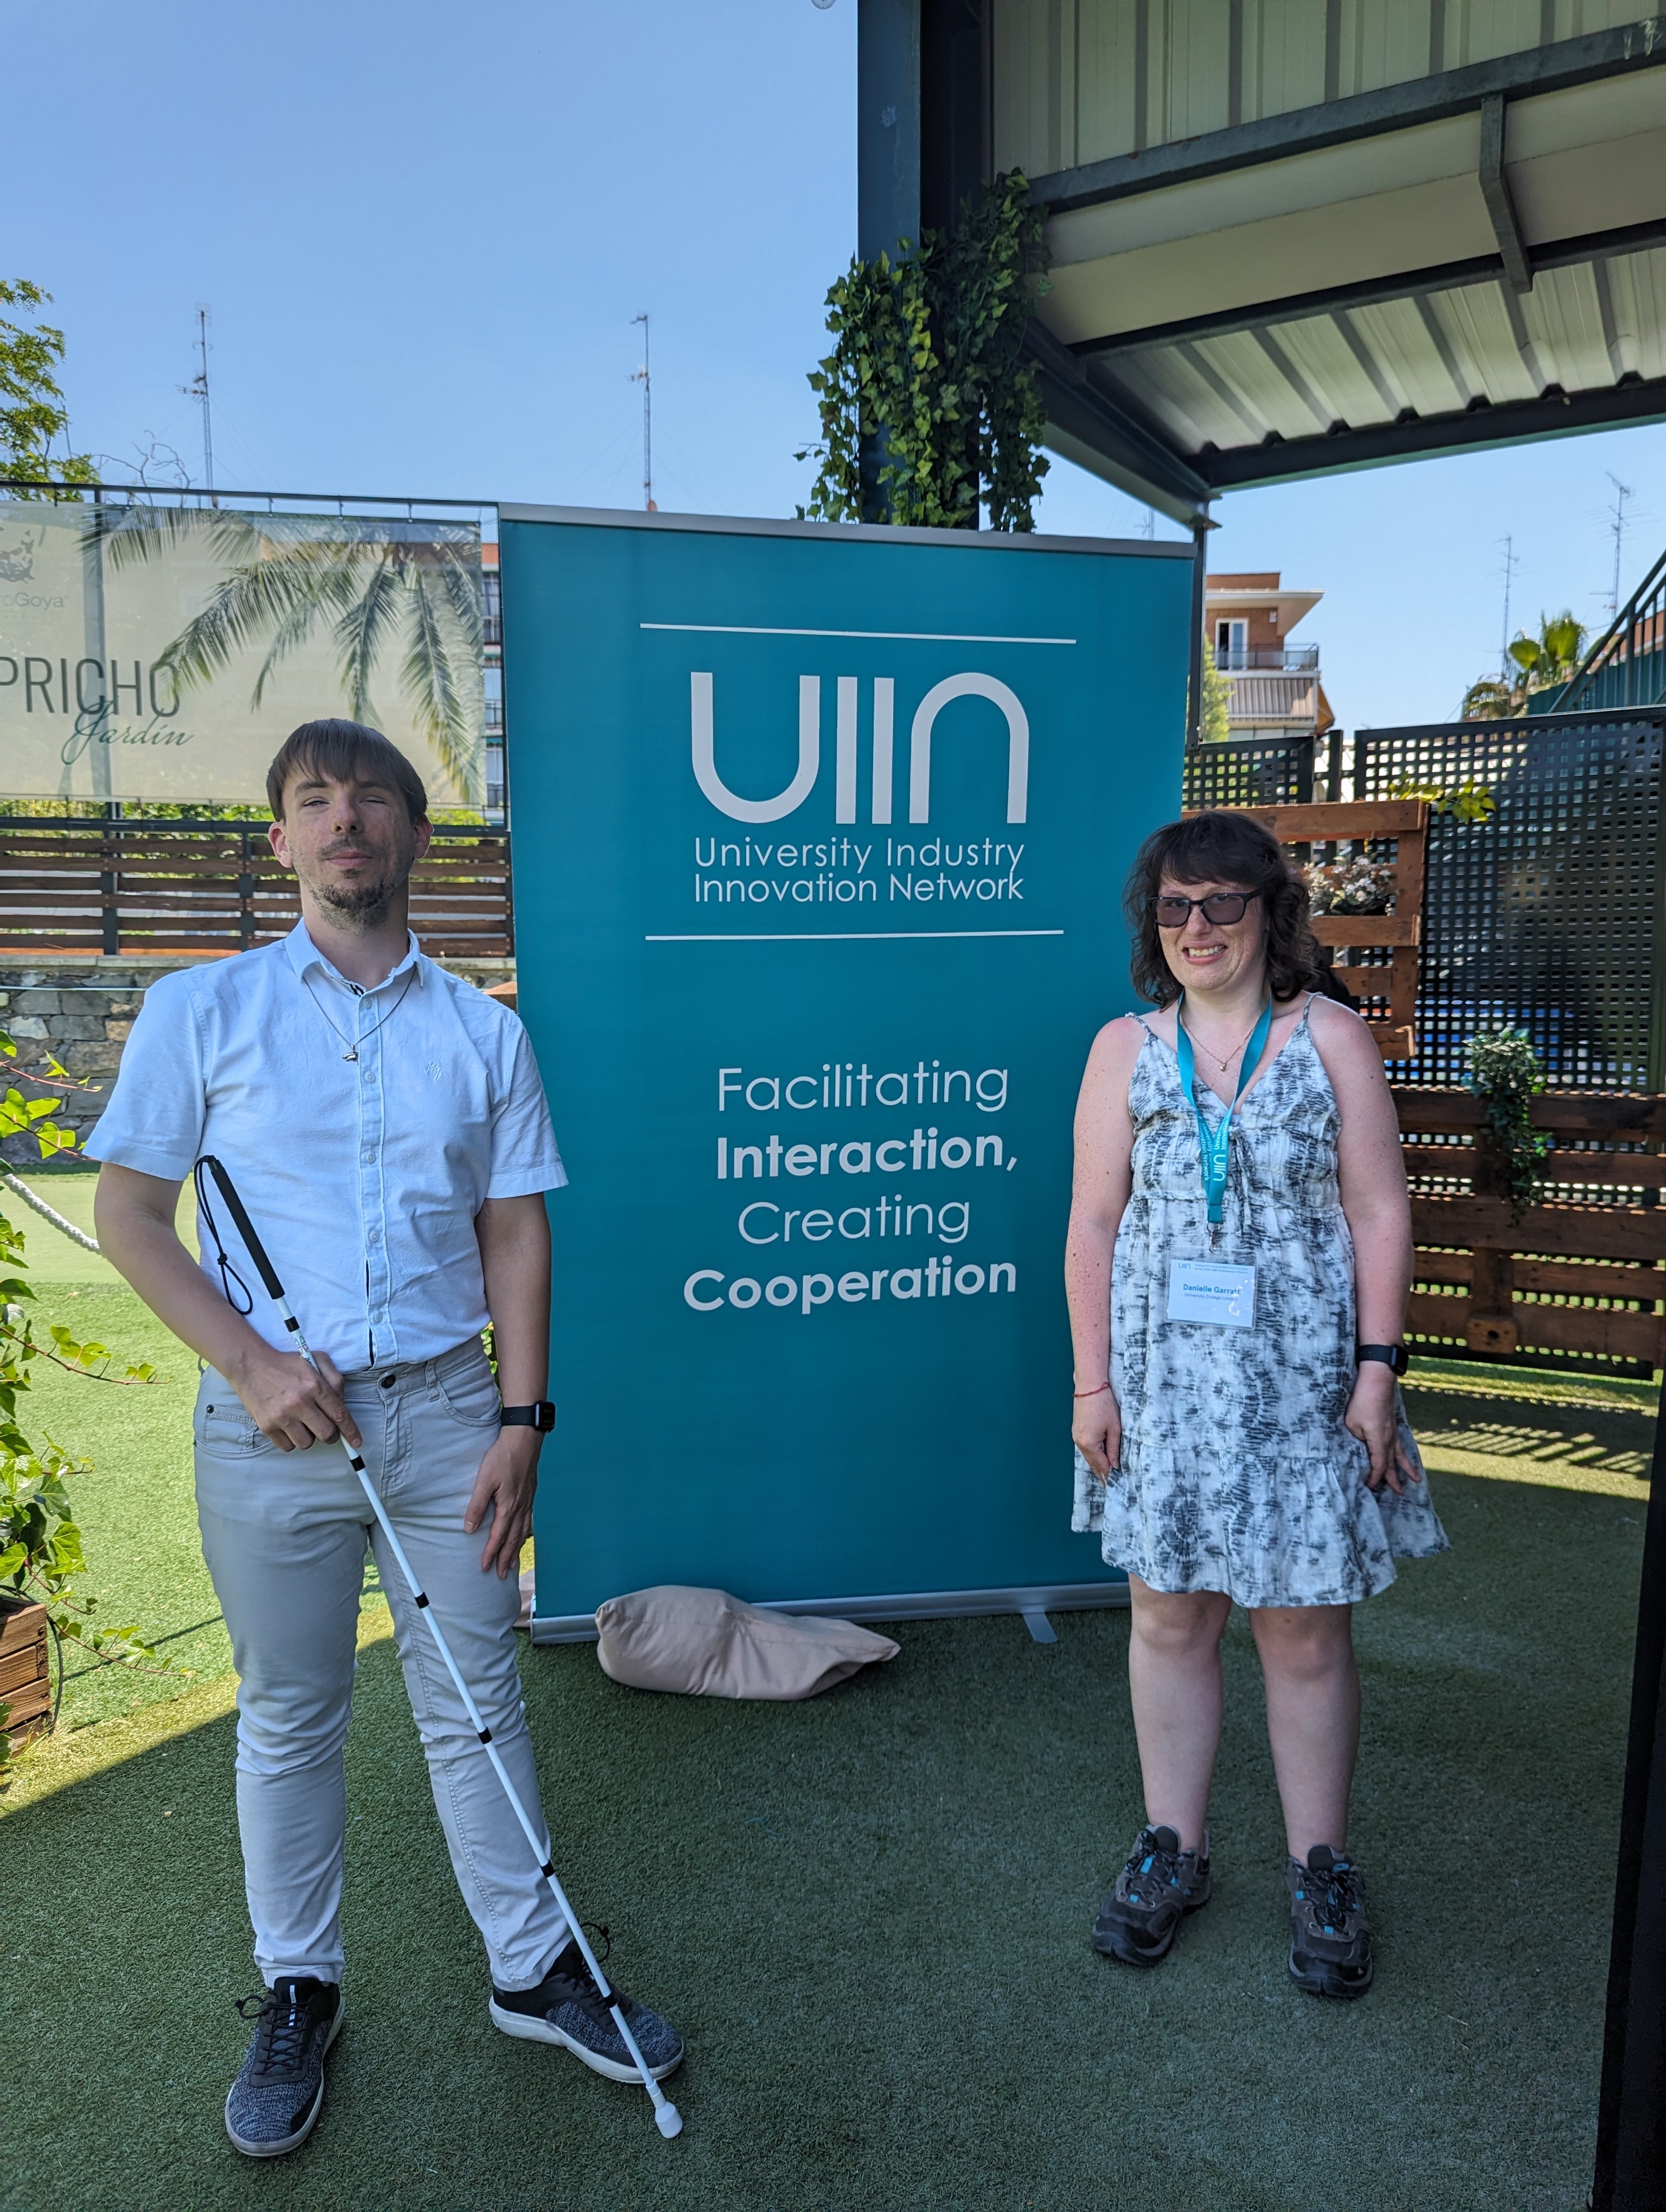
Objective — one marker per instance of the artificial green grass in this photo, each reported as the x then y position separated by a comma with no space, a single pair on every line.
868,1914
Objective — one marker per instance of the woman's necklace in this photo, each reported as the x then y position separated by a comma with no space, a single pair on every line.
1221,1064
352,1051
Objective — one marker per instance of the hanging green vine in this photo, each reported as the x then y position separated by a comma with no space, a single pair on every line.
1505,1071
926,389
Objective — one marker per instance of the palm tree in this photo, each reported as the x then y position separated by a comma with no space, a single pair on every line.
1547,660
382,586
1553,656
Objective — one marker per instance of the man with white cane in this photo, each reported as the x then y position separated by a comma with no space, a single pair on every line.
385,1125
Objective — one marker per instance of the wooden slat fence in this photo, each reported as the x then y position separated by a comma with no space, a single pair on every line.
128,888
1578,1279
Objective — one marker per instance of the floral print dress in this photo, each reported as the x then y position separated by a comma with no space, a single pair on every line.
1236,1472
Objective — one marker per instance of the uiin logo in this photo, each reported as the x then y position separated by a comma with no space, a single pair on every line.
702,723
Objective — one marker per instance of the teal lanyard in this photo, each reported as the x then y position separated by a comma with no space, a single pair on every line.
1212,1143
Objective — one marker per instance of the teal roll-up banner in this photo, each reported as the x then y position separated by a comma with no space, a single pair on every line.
819,835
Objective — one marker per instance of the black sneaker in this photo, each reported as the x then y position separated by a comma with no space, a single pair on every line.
1329,1934
279,2091
1156,1889
568,2008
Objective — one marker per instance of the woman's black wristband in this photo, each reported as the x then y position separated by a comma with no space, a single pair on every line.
1391,1355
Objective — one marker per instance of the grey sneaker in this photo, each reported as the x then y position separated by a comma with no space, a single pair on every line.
1159,1885
566,2007
278,2094
1329,1934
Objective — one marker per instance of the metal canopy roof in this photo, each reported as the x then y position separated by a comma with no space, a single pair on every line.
1291,236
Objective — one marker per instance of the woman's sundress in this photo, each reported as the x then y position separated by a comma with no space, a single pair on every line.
1236,1472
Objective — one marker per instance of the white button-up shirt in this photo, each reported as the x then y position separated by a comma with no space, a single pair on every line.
364,1130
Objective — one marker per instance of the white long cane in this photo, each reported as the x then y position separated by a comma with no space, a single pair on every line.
668,2119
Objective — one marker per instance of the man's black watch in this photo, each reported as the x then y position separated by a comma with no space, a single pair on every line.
1391,1355
541,1417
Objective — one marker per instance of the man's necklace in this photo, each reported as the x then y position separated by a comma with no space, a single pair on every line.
352,1051
1222,1064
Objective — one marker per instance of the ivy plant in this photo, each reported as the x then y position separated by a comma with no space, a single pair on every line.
929,413
1507,1074
1465,802
40,1547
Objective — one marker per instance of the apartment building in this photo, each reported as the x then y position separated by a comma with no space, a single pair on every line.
1274,681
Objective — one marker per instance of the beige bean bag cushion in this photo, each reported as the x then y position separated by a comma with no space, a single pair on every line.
708,1644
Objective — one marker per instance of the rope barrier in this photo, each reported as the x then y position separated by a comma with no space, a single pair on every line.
46,1211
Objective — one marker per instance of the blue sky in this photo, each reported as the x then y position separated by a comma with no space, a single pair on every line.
424,232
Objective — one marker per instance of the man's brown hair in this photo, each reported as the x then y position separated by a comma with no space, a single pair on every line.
344,752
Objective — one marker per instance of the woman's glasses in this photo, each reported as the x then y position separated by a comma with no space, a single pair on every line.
1220,906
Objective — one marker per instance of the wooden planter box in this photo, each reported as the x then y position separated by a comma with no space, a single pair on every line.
1388,990
1579,1280
25,1684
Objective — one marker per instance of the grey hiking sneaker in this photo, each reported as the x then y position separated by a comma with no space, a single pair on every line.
1156,1889
279,2091
566,2007
1329,1934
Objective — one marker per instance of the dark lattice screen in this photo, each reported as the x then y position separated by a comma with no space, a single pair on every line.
1545,917
1249,772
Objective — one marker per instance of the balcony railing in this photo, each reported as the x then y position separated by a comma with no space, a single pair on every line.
1293,659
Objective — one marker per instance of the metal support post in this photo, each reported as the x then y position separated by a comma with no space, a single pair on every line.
1631,2122
887,164
1195,664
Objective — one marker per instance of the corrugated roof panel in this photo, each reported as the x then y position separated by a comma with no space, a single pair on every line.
1563,310
1399,336
1480,314
1168,389
1318,348
1637,285
1261,382
1383,372
1458,339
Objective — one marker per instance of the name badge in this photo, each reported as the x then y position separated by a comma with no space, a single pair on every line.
1206,1290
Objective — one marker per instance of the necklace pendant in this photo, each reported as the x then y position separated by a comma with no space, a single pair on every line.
352,1053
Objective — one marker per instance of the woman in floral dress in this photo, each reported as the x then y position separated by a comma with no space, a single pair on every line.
1238,1263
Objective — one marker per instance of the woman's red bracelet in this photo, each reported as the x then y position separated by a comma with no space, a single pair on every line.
1090,1394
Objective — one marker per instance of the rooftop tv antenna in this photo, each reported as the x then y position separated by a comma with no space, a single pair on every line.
644,377
198,389
1617,532
1509,564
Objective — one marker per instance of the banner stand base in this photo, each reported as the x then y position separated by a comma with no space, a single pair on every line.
915,1605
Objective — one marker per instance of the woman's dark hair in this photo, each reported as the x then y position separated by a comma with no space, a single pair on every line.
1221,848
350,752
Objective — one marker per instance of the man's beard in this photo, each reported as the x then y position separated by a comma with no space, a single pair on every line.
360,903
363,904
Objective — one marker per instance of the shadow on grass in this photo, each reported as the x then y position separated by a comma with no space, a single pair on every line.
869,1915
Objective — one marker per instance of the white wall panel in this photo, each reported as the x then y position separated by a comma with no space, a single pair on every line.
1066,89
1284,56
1195,74
1107,106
